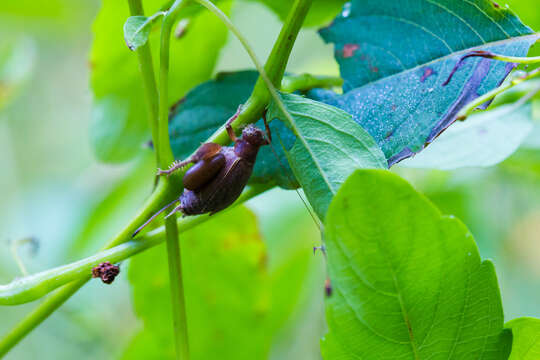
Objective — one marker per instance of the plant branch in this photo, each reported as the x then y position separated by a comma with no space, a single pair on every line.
163,143
33,287
163,146
304,82
276,64
46,308
176,284
252,112
471,107
144,55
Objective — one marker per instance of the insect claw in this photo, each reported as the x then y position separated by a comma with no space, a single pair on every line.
173,167
161,172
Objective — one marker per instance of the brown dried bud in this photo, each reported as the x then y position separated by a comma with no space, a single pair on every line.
106,271
328,287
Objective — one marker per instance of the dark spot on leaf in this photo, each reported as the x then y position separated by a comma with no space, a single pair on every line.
349,50
428,71
374,69
496,5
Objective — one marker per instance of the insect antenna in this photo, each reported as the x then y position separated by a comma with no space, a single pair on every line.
153,217
291,182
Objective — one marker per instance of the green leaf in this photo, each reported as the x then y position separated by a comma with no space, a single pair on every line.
394,57
330,146
120,116
321,12
209,105
484,139
526,338
407,282
137,29
227,290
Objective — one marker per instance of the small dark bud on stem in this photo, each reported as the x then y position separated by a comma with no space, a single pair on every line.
328,287
106,271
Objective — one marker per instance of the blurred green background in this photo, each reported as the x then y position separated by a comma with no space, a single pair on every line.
54,190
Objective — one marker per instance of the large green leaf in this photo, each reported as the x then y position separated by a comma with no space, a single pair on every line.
321,12
408,283
119,113
526,338
484,139
330,146
227,291
395,56
205,108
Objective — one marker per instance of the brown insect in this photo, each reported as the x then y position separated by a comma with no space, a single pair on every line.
219,173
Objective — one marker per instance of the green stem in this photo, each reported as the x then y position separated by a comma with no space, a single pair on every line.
276,64
471,107
46,308
177,289
283,49
38,315
163,146
32,287
252,112
279,57
516,59
144,55
306,82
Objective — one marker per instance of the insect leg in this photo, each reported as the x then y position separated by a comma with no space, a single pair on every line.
228,124
175,166
268,133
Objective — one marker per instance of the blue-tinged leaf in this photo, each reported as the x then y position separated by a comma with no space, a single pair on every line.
485,139
395,56
408,283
